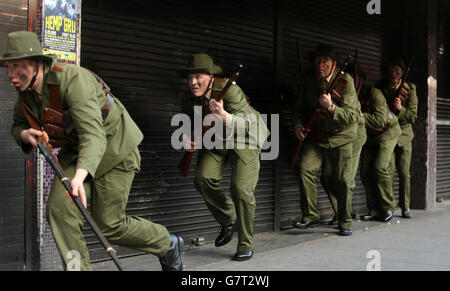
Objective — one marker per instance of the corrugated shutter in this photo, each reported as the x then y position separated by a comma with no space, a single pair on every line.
443,161
443,104
137,51
13,17
347,26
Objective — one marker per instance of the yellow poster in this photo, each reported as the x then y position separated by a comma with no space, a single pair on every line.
60,24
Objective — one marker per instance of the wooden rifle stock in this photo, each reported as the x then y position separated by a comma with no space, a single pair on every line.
50,157
186,160
312,119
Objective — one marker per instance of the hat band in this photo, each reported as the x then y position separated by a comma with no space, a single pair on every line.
17,55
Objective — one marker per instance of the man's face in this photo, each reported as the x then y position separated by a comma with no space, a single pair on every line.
198,83
395,74
324,66
20,73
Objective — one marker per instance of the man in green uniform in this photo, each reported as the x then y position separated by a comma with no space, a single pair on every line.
406,110
237,211
327,167
332,137
383,130
100,153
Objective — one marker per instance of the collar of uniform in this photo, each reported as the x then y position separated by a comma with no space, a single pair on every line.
330,76
47,78
217,85
52,77
33,94
328,79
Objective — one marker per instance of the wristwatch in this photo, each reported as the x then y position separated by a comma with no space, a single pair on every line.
330,109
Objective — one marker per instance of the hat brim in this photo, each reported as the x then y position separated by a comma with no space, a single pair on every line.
313,54
49,58
210,70
385,67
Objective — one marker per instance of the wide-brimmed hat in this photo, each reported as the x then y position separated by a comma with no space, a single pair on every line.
21,45
396,61
323,50
200,63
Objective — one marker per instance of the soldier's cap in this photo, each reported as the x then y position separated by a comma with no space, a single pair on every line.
397,61
323,50
21,45
200,64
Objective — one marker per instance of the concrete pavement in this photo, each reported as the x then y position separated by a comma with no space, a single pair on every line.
420,243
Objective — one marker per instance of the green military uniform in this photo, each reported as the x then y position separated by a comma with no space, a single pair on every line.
340,130
107,149
377,154
327,167
243,158
403,150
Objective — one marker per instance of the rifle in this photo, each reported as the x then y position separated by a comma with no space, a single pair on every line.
186,160
299,59
47,151
359,80
399,90
335,93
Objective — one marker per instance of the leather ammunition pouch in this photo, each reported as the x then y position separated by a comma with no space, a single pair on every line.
377,131
53,116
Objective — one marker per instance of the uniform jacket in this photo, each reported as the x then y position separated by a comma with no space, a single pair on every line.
408,115
102,143
378,116
346,114
235,103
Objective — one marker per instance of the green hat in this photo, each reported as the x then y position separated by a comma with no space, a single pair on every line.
200,63
323,50
21,45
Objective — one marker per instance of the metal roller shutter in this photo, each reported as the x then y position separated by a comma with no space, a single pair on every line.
443,161
137,51
309,23
443,102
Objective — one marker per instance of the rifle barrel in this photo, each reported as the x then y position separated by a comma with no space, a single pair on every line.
46,151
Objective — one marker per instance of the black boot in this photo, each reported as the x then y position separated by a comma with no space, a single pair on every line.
388,216
406,213
243,256
305,225
345,231
226,234
172,260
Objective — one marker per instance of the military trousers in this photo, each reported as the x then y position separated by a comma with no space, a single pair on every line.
376,176
108,195
327,167
341,177
401,161
241,205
